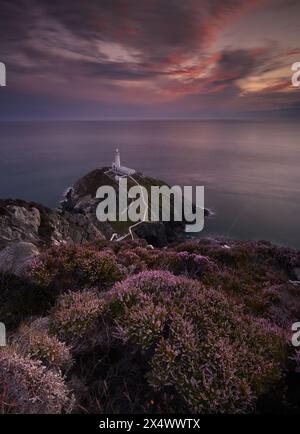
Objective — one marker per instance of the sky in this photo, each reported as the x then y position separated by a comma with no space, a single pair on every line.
136,59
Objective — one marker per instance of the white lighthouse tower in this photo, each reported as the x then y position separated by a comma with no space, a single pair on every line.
117,162
118,169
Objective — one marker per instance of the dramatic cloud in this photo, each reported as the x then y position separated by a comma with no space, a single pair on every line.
172,56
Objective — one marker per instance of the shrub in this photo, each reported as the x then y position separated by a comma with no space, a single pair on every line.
206,355
41,271
188,264
150,256
142,324
157,284
98,267
132,261
40,345
29,387
75,314
75,266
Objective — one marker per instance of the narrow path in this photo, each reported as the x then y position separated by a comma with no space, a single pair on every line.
130,233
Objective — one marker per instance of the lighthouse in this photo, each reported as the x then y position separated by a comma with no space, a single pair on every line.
118,169
117,163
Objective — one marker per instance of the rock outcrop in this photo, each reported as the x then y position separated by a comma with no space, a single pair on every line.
16,257
34,223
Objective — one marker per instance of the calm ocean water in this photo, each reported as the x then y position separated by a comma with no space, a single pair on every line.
250,170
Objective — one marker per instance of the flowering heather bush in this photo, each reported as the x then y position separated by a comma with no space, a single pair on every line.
75,266
212,357
189,264
29,387
41,271
132,261
234,253
38,344
99,267
144,257
143,325
158,284
244,270
75,314
127,244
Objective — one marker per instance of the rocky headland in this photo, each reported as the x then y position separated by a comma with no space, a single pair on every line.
25,227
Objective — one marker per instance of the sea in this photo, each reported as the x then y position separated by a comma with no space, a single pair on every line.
250,170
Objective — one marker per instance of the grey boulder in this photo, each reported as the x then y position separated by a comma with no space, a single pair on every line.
16,257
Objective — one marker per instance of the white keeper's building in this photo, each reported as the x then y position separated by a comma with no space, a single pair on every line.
118,169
